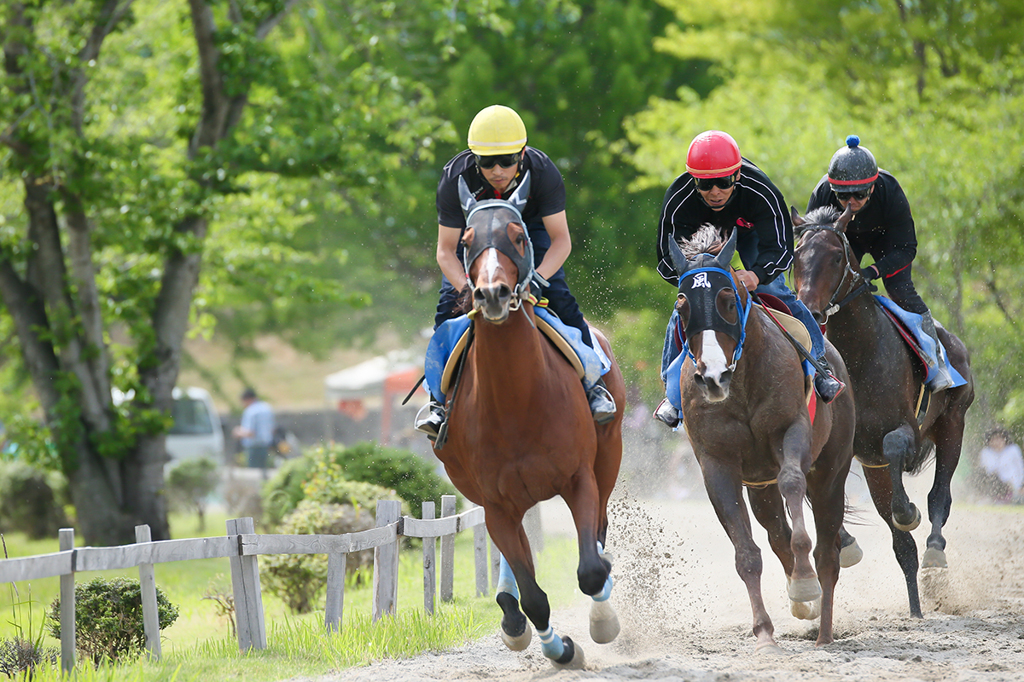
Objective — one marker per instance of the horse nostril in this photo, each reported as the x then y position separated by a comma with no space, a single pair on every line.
504,292
698,378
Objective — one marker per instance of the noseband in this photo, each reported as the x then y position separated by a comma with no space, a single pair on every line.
705,315
863,285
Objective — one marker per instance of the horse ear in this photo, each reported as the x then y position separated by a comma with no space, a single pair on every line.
465,196
844,220
725,255
522,194
797,220
679,261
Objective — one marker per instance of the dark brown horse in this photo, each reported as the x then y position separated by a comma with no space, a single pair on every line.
520,430
887,383
745,407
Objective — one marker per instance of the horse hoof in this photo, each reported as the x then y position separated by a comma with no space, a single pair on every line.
909,526
517,643
805,610
604,624
572,657
934,558
850,555
803,589
769,648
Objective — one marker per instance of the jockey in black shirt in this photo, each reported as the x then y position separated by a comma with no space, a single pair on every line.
493,166
722,188
881,226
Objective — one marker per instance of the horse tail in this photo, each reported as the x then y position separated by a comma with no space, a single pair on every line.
921,458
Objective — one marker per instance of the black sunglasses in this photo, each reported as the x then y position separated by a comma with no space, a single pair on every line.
707,184
859,196
503,160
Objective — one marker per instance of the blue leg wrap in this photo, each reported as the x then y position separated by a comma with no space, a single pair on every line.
606,591
507,581
551,644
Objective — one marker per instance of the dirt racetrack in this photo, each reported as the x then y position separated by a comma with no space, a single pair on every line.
685,613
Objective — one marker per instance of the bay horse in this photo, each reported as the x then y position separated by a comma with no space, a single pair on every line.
520,429
887,383
750,425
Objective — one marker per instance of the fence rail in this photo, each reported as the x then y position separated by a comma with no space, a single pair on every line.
242,545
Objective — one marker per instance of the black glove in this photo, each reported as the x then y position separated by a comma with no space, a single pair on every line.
869,273
537,285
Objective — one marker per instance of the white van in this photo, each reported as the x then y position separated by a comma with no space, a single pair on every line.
197,430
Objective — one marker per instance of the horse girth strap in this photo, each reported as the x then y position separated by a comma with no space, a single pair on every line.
760,485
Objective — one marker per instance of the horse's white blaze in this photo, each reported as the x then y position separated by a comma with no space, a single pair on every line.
715,364
491,265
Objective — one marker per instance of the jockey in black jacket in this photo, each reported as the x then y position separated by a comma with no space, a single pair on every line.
493,166
722,188
881,226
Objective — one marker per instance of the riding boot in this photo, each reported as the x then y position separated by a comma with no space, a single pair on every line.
430,418
602,404
667,413
942,379
826,385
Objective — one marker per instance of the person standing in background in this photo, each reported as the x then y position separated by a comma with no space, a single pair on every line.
1003,465
256,431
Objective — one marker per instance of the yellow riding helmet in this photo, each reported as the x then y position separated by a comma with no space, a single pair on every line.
496,130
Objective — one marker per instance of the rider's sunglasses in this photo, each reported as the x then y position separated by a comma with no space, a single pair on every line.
707,184
503,160
859,196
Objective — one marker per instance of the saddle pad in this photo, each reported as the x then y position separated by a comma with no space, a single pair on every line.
560,343
792,325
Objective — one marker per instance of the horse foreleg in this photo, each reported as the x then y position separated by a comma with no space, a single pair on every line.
897,446
726,493
948,435
510,538
903,545
796,462
826,491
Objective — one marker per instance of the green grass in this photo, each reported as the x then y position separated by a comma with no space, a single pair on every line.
199,646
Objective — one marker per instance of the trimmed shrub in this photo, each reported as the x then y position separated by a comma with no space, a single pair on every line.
31,500
410,476
108,618
298,579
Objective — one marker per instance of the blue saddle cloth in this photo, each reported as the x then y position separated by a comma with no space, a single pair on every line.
595,362
912,321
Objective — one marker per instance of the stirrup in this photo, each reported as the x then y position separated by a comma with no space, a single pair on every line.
667,414
430,422
942,379
602,404
827,386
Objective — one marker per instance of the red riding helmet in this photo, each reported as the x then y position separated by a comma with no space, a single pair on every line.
713,154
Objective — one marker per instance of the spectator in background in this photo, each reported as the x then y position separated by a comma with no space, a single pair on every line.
256,432
1003,465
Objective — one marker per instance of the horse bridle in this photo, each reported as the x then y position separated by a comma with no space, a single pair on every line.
736,331
862,287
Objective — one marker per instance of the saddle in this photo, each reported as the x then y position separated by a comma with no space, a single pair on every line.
451,339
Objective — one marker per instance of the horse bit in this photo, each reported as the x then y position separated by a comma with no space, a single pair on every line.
865,284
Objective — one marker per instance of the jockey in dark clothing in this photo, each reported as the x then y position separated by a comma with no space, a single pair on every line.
724,189
881,226
492,167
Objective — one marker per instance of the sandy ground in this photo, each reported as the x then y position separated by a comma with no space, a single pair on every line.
685,613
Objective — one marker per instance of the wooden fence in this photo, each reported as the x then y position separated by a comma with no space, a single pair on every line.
242,546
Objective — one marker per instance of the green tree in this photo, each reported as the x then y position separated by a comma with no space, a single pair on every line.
145,140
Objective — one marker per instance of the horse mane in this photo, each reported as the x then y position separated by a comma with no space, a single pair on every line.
706,239
823,215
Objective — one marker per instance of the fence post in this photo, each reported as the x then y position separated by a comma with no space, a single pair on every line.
429,557
385,563
447,552
480,558
67,605
147,584
245,584
336,566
